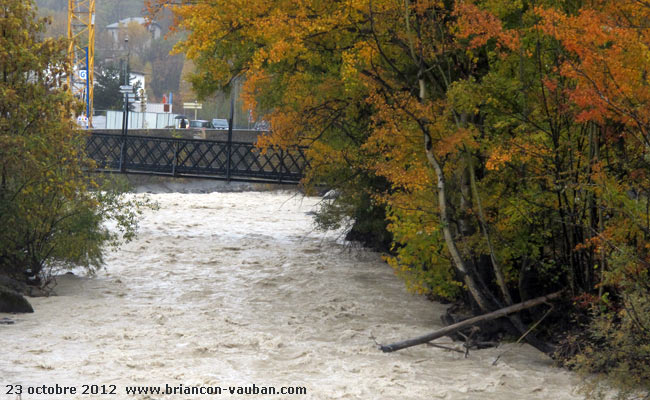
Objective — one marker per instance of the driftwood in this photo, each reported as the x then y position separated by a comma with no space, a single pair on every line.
469,322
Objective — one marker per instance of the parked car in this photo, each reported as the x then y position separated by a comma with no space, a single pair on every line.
220,124
200,124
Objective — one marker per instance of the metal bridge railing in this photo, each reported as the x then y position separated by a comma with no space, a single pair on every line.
211,159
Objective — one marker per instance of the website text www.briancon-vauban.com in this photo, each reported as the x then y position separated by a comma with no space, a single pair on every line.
216,390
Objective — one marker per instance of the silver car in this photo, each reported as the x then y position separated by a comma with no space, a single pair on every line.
200,123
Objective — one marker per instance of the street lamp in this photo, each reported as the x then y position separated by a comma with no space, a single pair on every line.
126,88
128,56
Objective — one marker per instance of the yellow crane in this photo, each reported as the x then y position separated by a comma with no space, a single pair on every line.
81,51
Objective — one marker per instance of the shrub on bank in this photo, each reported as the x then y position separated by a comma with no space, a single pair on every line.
615,347
52,215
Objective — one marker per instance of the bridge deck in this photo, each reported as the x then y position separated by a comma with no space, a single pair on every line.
195,158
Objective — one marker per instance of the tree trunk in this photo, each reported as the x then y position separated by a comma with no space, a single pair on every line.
469,322
498,273
468,278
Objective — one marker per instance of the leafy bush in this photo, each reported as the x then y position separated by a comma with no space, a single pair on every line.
616,350
51,215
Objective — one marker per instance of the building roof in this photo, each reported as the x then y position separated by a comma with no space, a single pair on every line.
126,21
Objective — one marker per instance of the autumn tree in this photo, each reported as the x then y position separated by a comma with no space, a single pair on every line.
605,57
305,89
361,82
504,144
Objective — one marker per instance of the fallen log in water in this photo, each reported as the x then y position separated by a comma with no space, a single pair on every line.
469,322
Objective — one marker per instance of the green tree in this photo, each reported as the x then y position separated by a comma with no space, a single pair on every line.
107,88
50,214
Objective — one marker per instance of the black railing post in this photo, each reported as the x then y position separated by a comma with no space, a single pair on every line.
229,144
281,165
176,143
229,154
125,128
122,153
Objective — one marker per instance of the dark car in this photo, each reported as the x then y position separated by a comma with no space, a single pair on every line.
220,124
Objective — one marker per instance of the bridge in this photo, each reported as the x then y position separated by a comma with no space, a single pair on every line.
195,158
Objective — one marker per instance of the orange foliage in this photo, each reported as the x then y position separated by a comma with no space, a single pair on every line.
481,26
609,60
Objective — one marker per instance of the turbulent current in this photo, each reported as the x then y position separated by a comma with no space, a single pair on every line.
230,290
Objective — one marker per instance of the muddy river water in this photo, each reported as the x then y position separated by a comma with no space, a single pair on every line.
231,290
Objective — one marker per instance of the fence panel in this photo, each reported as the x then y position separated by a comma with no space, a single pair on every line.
196,158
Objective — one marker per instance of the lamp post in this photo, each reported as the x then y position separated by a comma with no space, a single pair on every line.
128,56
126,88
230,123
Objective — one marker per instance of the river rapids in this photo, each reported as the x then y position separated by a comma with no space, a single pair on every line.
238,289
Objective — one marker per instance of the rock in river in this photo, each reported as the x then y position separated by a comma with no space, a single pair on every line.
13,302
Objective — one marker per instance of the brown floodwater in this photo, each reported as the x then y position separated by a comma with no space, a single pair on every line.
224,290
